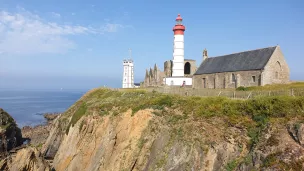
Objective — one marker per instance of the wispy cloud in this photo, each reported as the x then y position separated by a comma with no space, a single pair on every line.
26,33
55,15
112,27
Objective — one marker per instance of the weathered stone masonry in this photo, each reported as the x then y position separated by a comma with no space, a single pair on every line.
251,68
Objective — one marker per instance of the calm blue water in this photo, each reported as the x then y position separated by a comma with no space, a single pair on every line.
27,107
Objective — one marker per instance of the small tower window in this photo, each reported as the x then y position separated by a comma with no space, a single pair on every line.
187,68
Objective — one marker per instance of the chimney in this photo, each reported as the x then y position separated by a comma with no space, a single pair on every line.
205,54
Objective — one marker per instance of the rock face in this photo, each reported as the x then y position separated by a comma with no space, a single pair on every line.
143,142
297,132
10,134
89,137
28,159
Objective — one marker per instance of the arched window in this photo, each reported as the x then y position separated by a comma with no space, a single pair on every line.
187,68
232,78
278,69
278,66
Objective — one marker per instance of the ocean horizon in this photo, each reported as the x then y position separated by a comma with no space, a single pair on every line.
28,106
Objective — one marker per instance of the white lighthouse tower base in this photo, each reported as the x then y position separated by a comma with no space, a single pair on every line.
178,81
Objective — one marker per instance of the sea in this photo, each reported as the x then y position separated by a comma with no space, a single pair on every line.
28,106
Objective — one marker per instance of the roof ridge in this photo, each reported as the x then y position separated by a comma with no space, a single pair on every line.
242,52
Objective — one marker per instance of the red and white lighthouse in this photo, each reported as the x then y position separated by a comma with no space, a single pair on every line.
178,78
178,48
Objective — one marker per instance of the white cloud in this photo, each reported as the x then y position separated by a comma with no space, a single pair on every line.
112,27
25,33
55,15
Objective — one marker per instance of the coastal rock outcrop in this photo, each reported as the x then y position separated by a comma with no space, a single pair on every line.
10,134
28,159
39,133
108,130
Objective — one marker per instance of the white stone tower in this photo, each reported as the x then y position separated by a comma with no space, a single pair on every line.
178,48
128,73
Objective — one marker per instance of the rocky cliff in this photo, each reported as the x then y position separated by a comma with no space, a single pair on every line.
137,130
14,155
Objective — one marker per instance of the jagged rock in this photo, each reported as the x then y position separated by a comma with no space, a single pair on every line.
300,134
296,131
50,116
28,159
37,134
10,134
54,139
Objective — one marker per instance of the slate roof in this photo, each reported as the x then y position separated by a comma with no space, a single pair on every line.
189,59
242,61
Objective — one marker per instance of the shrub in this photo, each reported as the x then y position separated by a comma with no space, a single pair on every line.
231,165
241,88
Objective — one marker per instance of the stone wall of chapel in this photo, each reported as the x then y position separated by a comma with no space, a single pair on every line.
276,70
225,80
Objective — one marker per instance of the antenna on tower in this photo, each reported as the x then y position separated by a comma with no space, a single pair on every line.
130,53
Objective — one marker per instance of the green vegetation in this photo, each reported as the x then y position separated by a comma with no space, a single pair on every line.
231,165
258,111
81,111
241,88
141,142
271,159
272,87
6,120
78,114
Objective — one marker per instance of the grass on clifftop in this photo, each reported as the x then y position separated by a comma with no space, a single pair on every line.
273,87
105,102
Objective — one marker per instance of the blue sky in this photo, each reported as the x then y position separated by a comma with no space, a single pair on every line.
81,44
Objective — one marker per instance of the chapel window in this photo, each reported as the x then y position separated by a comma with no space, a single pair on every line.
253,79
232,78
278,69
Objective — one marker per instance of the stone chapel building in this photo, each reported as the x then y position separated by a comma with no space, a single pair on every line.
250,68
